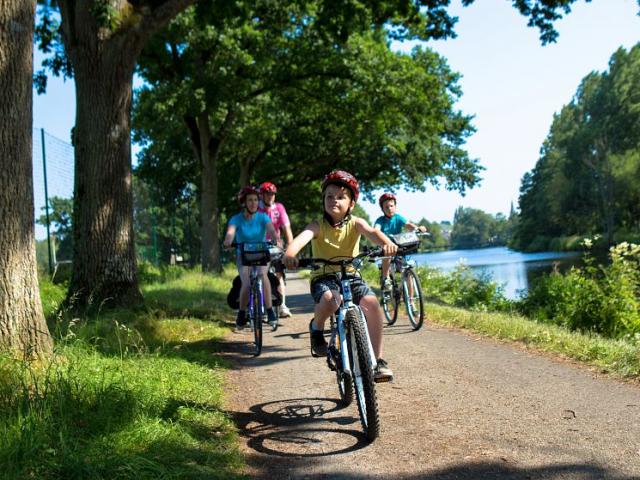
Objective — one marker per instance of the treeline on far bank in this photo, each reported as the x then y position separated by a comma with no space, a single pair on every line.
587,179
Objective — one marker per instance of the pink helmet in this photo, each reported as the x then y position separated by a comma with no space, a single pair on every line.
244,191
343,179
268,187
386,196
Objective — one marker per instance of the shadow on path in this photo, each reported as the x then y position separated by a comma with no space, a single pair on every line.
299,428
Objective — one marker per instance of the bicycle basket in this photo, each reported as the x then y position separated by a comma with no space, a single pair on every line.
255,254
407,242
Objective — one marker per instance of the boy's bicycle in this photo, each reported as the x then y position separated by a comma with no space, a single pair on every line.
254,255
404,282
350,353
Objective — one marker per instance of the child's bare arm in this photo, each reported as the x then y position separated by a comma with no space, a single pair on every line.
304,237
376,236
228,238
412,226
271,230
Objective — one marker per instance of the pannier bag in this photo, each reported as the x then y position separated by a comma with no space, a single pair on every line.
233,297
407,242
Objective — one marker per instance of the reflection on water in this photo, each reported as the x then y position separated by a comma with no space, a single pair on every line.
514,270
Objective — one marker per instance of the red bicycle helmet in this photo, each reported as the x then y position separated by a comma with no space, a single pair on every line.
386,196
344,179
268,187
244,191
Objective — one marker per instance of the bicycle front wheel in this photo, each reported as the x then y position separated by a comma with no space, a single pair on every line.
414,303
362,370
389,299
258,313
345,382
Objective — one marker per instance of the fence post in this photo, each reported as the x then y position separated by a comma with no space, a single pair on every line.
154,238
46,200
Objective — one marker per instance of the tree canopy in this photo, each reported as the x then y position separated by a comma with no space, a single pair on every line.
288,106
586,180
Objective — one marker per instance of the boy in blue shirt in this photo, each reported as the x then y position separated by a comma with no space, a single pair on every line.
250,225
392,223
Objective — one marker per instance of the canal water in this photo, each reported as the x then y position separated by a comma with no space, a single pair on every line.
514,270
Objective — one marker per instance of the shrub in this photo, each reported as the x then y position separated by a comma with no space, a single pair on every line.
463,288
602,299
148,273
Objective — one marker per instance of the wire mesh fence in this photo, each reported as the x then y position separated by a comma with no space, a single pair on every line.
159,240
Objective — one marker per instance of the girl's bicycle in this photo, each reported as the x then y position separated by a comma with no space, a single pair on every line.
254,255
350,353
403,283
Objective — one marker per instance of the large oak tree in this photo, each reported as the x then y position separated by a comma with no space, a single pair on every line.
102,40
23,330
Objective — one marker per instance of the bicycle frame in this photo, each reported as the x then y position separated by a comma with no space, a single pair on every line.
255,284
340,327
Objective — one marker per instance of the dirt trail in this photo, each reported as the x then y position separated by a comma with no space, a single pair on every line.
461,407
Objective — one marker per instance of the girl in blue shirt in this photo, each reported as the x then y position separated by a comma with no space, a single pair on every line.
250,225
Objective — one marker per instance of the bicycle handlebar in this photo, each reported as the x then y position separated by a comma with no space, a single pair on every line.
369,252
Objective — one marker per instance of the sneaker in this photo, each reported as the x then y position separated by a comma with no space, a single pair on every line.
318,343
387,285
284,312
241,319
272,320
382,373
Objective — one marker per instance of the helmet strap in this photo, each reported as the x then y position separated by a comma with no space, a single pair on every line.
330,221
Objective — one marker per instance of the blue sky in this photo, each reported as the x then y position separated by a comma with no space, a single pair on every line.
510,82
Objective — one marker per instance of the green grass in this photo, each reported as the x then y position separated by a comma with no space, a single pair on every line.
619,357
127,394
139,394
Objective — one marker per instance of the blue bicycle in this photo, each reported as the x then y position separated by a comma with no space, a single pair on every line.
350,353
254,255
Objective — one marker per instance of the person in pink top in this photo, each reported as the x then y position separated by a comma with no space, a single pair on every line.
278,215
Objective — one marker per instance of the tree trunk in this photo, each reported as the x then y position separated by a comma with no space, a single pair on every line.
23,330
103,52
210,216
104,260
209,150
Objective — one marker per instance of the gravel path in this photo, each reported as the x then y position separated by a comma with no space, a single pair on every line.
461,407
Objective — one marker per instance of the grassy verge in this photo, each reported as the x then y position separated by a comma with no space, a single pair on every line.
126,394
619,357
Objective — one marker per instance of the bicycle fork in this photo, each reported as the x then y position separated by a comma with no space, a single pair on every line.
342,334
255,315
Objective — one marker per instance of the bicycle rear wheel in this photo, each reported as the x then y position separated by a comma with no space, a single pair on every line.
389,299
414,303
258,313
362,369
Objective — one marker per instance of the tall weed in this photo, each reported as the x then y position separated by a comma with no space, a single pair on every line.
600,298
464,288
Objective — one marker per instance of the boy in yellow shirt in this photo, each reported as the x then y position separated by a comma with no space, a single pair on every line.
338,234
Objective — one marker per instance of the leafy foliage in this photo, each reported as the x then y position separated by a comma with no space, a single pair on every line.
585,181
299,105
474,228
60,216
601,299
463,288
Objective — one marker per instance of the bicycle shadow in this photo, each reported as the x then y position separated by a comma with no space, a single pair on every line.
400,328
300,427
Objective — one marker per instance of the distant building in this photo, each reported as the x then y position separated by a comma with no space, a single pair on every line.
446,230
